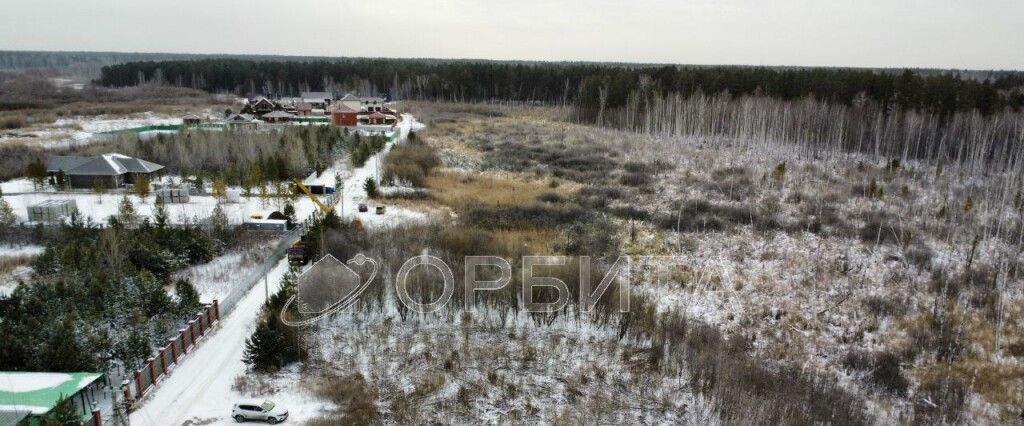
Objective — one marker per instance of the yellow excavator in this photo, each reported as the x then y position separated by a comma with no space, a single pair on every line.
297,252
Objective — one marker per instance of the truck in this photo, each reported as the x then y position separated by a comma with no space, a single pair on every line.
297,253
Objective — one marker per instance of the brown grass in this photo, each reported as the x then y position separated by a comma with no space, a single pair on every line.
458,190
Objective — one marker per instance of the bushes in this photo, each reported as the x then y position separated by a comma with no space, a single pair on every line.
355,397
410,163
700,215
883,370
522,216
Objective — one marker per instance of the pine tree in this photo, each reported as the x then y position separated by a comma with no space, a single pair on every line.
7,216
142,187
126,213
36,171
220,188
188,297
99,188
264,195
274,344
63,414
199,183
370,186
219,220
160,215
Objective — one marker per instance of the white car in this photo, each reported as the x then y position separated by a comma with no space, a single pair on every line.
259,410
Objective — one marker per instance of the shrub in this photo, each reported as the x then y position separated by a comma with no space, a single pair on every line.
522,216
410,163
636,179
550,197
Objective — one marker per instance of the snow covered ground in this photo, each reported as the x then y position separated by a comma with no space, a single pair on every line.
200,389
100,207
17,254
76,131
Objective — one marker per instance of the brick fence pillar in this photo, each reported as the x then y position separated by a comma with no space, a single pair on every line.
140,391
192,330
216,309
199,320
209,316
152,370
184,342
163,361
97,418
127,386
174,350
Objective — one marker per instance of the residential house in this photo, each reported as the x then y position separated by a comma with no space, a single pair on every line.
377,118
319,100
344,115
240,122
303,109
113,170
278,117
262,105
191,120
351,101
372,104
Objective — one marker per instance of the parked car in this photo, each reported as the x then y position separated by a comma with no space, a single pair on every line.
259,410
363,208
380,209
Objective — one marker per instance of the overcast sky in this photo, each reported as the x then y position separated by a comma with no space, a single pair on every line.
980,34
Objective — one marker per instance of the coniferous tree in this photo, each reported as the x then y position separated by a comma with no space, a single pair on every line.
219,220
188,297
7,216
36,171
274,344
142,187
160,215
63,414
126,213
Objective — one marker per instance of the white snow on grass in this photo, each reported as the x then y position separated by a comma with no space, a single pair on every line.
216,279
199,390
199,208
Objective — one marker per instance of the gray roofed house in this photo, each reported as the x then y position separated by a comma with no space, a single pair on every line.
112,169
319,100
278,117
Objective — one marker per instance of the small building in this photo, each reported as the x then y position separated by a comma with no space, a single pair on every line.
113,170
344,115
303,109
377,118
277,225
278,117
52,211
25,397
173,195
262,105
319,100
191,120
241,122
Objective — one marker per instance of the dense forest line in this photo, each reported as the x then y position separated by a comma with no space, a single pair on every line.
591,87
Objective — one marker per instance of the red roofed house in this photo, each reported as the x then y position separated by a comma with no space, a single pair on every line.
343,115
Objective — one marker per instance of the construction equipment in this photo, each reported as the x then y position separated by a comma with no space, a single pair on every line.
323,207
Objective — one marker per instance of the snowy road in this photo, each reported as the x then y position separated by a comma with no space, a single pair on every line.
199,389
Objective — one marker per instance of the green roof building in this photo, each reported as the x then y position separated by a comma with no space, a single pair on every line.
26,396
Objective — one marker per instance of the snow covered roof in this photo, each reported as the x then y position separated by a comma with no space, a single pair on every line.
26,393
278,114
340,107
239,118
317,96
111,164
349,97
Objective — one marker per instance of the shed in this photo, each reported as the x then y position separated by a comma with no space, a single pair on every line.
52,211
173,195
191,120
266,224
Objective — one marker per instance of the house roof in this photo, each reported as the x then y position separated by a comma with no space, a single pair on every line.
239,118
304,106
191,117
278,114
349,97
111,164
339,107
25,393
261,99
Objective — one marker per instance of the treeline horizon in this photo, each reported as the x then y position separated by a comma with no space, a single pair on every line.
590,87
